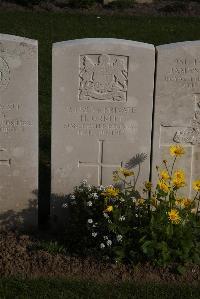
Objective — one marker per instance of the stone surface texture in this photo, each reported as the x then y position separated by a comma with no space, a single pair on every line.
18,131
101,111
177,107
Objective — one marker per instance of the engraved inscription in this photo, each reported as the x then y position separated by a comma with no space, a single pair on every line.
10,121
103,78
4,74
4,162
99,121
99,164
184,71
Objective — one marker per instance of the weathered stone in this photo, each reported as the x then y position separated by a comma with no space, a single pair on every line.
18,131
177,107
102,111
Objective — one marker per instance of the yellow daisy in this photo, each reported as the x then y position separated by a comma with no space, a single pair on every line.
164,186
179,178
111,192
164,175
125,172
109,209
196,185
176,150
174,216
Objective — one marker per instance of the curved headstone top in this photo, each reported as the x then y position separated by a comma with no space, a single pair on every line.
179,44
102,41
101,111
18,39
18,131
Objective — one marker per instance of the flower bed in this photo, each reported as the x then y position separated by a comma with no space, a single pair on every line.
118,224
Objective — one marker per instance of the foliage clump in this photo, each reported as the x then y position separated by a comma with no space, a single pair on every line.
120,224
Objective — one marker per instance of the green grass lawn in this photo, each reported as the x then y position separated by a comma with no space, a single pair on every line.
60,288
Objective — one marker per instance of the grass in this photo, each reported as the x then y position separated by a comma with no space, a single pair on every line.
61,288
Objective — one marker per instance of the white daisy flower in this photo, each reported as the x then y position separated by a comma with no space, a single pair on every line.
65,205
122,218
94,234
95,195
102,245
119,238
105,215
89,203
101,187
90,221
109,242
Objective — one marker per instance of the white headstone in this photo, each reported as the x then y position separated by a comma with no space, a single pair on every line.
101,111
177,107
18,131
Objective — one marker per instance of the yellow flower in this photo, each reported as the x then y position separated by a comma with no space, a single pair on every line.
116,177
174,217
125,172
164,175
111,192
140,201
154,202
196,185
109,209
179,202
183,202
187,202
179,179
164,186
148,185
176,150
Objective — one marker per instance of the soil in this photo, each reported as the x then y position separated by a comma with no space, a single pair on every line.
158,8
20,256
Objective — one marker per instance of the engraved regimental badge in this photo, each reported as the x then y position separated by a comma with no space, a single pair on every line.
4,74
103,78
190,134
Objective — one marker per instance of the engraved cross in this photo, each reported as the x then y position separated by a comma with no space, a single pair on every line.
99,164
4,162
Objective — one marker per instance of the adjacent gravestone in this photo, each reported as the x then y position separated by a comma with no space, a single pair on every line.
101,111
177,106
18,131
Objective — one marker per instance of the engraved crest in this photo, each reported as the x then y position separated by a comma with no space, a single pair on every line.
4,74
191,134
103,78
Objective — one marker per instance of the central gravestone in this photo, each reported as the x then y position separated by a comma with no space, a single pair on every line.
101,110
18,132
177,107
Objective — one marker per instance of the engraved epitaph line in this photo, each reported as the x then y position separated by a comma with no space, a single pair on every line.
4,162
99,164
